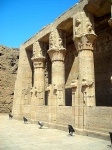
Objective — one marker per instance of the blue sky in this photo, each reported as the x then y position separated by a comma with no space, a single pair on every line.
21,19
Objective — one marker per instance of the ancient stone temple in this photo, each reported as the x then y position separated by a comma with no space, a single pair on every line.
65,71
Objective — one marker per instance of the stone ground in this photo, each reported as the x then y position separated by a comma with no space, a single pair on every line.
15,135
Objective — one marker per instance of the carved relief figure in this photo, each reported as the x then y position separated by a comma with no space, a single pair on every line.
83,24
26,96
77,26
84,34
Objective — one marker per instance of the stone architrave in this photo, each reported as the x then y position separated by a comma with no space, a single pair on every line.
57,52
84,37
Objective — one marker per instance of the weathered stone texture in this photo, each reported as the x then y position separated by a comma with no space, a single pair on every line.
8,71
98,119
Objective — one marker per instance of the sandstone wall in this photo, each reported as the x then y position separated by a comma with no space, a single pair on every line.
8,70
98,119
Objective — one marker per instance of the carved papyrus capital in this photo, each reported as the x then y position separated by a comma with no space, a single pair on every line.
38,62
57,39
39,49
57,45
85,42
83,35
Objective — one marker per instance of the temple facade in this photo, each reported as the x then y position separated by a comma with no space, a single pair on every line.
65,71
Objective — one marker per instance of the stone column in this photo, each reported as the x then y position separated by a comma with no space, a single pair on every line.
84,38
39,77
57,53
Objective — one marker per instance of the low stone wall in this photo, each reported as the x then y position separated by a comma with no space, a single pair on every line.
42,113
26,111
98,119
65,115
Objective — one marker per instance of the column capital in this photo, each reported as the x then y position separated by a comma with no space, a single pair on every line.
38,62
83,33
57,55
57,39
39,49
57,45
85,42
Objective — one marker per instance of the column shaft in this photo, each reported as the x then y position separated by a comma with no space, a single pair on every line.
86,74
39,77
58,73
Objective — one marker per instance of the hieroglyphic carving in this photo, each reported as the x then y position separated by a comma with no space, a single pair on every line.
83,24
40,92
31,91
26,96
88,92
37,92
60,95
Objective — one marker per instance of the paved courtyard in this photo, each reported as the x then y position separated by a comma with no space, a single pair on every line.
15,135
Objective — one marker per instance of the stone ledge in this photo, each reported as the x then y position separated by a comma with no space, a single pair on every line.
94,134
83,132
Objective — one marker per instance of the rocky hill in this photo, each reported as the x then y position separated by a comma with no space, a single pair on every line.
8,69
